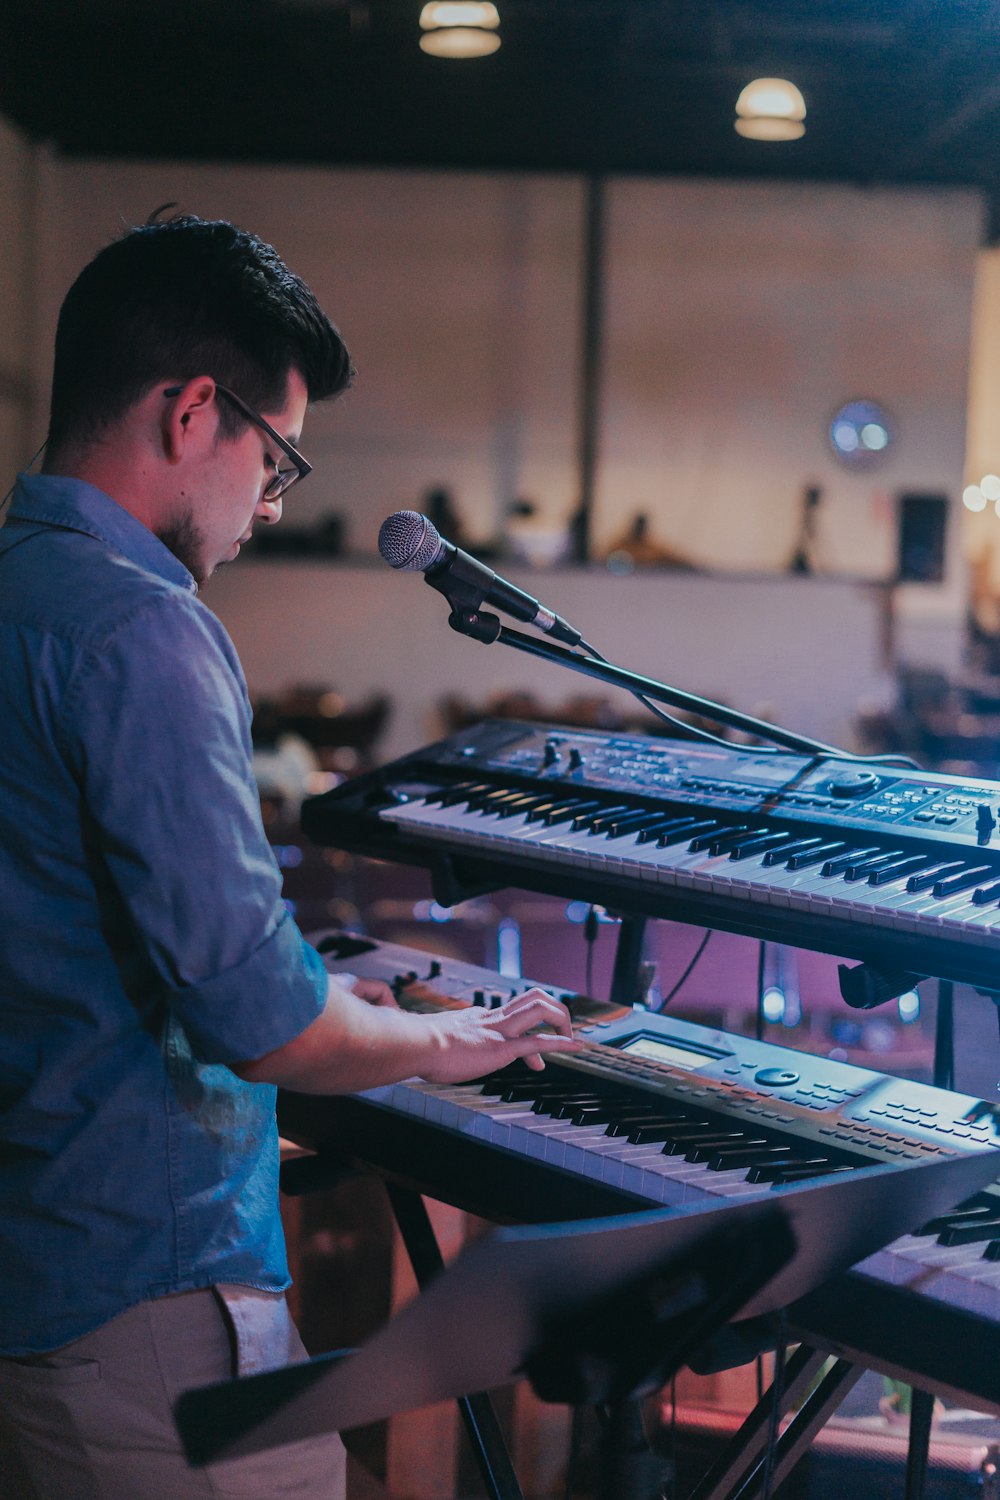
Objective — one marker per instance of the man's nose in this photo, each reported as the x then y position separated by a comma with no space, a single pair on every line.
269,511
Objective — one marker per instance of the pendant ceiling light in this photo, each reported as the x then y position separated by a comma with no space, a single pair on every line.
771,109
459,28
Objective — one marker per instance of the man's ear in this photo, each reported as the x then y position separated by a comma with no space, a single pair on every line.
189,419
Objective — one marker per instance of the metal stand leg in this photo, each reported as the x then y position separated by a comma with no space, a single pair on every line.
477,1412
628,956
922,1402
944,1036
740,1470
810,1419
921,1412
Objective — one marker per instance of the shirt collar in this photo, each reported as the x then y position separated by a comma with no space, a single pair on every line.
57,500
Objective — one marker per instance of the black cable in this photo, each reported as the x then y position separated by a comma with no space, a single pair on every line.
687,972
888,760
759,1024
672,1445
575,1448
590,931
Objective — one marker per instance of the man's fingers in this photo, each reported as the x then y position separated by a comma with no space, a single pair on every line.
535,1008
530,1048
375,992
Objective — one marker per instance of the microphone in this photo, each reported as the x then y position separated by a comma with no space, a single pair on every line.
409,541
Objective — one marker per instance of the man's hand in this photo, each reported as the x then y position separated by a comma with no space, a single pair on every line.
475,1041
375,991
354,1045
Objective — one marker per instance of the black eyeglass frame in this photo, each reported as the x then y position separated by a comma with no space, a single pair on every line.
284,478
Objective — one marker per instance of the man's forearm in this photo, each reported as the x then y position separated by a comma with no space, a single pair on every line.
353,1045
350,1046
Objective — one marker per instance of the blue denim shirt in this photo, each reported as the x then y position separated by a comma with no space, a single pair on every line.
143,941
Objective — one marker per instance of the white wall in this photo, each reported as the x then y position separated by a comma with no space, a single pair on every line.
982,529
17,283
740,317
457,294
808,649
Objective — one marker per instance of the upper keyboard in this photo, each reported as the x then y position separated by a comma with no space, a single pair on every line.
899,868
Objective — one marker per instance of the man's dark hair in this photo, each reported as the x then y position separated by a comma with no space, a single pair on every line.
180,297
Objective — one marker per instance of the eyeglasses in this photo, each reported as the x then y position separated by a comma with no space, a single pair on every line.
283,478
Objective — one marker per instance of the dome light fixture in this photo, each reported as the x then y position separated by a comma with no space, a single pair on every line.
770,109
459,28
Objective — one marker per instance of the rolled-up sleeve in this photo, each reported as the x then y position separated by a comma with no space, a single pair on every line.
156,728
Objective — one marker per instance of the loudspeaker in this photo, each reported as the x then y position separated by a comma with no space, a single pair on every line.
922,523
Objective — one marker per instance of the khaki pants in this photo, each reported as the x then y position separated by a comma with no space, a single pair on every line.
94,1420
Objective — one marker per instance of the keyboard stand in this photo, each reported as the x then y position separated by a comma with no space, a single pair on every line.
478,1416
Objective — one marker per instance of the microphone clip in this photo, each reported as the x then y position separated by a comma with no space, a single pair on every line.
477,623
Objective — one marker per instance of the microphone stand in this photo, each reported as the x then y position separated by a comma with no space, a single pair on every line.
485,627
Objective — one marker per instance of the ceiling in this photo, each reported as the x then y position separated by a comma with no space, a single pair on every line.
907,91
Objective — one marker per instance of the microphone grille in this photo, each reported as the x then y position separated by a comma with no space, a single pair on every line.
408,540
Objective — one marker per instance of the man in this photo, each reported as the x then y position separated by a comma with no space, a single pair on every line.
153,989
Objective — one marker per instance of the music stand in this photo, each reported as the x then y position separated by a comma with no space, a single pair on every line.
596,1311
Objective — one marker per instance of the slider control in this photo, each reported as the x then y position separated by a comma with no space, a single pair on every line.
985,822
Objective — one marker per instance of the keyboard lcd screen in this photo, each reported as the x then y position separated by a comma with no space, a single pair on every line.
674,1053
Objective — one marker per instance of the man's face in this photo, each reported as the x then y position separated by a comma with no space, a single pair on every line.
216,512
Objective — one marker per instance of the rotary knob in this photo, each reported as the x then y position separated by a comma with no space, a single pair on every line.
852,783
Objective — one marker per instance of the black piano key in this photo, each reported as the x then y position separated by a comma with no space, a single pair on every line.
587,1114
986,894
680,835
626,1123
794,1174
860,869
774,1170
992,1251
549,1103
561,812
520,804
926,878
963,880
816,856
633,822
975,1211
709,840
684,1138
549,805
972,1233
579,809
460,793
757,843
740,1141
654,1133
840,862
726,841
912,862
664,825
513,1090
484,802
747,1156
784,853
592,821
